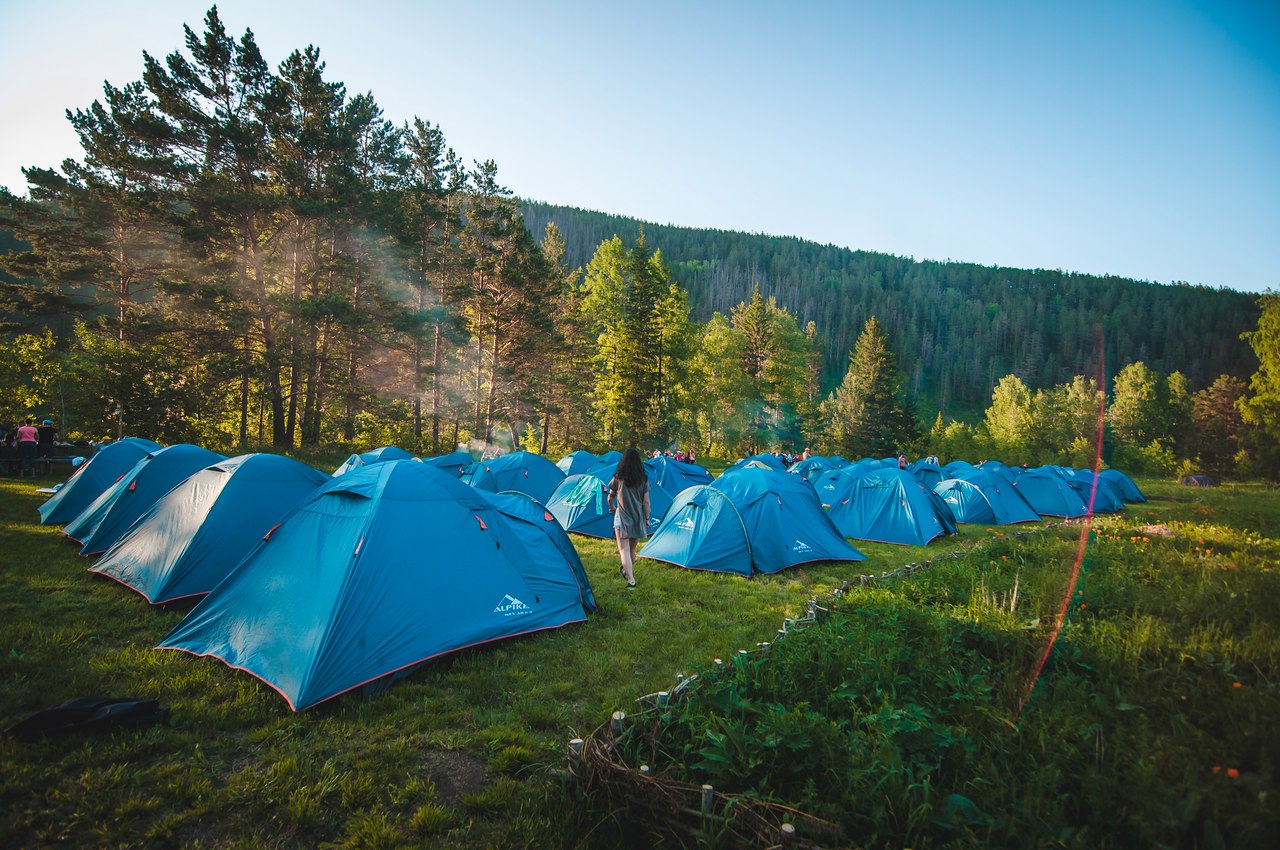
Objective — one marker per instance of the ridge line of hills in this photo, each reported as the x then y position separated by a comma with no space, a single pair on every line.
956,327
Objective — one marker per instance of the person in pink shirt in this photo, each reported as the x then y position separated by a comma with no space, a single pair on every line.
27,437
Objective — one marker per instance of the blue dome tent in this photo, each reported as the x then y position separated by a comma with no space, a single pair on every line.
115,510
576,463
454,463
765,459
195,534
379,571
984,497
751,520
1048,493
995,467
956,468
890,506
94,476
518,472
1098,494
673,476
830,482
812,468
927,473
580,502
581,505
1124,484
377,455
609,458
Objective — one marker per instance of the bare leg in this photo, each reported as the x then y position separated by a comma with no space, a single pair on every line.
626,552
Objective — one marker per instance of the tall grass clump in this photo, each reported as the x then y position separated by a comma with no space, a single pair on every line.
929,710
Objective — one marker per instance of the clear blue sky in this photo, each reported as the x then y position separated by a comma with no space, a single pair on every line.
1134,138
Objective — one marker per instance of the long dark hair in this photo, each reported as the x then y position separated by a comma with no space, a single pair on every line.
631,468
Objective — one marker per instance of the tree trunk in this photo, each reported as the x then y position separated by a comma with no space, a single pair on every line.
244,396
295,350
493,390
437,358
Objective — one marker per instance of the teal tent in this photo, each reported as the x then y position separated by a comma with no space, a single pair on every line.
454,463
1048,493
830,482
377,455
1124,484
610,457
955,468
580,504
105,521
518,472
927,473
890,506
94,476
379,571
1099,494
811,469
984,497
195,534
576,463
764,459
1008,473
749,521
672,476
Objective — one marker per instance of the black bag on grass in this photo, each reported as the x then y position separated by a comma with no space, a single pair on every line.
88,714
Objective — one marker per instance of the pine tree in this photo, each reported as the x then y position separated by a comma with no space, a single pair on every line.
640,318
1261,408
866,415
1218,428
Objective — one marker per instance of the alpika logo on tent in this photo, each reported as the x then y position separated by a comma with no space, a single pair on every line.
511,607
801,546
685,523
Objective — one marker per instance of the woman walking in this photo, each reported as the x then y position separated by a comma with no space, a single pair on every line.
629,501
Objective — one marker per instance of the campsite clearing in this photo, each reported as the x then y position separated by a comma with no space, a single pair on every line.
461,752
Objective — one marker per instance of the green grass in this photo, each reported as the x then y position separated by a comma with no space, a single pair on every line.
461,752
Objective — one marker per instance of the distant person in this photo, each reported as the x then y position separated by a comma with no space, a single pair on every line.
629,501
27,438
902,461
46,434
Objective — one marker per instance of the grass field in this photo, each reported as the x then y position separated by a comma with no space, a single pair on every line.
1156,714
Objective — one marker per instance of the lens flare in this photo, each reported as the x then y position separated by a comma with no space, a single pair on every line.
1069,593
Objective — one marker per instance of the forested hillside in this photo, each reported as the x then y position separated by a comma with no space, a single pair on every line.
301,271
956,327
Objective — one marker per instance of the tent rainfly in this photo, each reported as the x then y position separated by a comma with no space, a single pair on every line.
115,510
379,571
748,521
378,455
518,472
94,476
890,506
194,536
